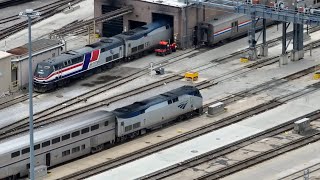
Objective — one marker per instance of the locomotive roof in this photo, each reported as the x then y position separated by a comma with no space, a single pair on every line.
103,43
139,32
145,104
54,130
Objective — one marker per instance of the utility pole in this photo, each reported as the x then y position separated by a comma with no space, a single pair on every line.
29,13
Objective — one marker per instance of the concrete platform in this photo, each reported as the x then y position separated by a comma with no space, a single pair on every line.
217,138
281,166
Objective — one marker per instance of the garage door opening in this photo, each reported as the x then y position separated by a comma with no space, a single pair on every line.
165,17
113,26
135,24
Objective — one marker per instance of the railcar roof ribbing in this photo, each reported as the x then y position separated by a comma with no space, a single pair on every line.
58,129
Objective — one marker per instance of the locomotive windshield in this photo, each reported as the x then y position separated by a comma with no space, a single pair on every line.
43,70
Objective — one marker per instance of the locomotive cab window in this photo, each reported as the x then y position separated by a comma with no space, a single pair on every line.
106,123
167,26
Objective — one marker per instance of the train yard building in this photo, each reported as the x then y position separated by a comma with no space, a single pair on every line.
183,17
41,50
5,66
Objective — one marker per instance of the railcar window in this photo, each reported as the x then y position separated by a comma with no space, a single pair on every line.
83,147
26,150
135,49
175,99
167,26
65,137
15,154
128,128
76,133
136,125
85,130
36,147
65,153
103,50
116,56
76,149
170,102
106,123
45,144
120,48
65,63
109,59
94,127
55,140
141,47
129,45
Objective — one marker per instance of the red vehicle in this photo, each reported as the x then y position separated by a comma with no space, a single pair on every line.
165,48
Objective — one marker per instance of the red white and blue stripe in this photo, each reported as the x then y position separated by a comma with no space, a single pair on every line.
220,32
89,59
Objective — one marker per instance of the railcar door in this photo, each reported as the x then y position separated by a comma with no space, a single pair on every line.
48,159
234,28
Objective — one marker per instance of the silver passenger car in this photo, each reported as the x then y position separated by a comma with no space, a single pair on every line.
57,143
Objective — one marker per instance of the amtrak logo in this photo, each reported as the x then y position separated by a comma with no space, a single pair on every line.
182,105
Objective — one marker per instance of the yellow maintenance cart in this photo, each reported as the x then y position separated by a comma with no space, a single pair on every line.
191,75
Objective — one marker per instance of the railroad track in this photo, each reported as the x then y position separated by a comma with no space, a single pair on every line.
48,116
46,11
300,174
227,170
8,3
13,128
166,63
16,100
186,136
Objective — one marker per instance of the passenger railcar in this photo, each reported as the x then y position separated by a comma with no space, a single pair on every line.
95,57
224,28
85,134
58,143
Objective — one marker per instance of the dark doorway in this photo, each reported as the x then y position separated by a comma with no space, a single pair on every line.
167,18
48,160
135,24
163,17
112,27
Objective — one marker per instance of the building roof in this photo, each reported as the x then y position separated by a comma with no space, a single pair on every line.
4,54
38,45
174,3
